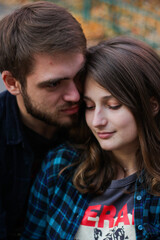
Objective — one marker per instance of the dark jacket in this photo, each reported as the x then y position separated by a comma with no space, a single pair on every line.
16,161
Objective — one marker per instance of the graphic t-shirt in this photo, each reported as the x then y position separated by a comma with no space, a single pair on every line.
111,215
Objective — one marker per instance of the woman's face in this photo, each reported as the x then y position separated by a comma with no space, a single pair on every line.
112,123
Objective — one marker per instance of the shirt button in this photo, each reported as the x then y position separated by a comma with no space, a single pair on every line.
139,197
140,227
141,180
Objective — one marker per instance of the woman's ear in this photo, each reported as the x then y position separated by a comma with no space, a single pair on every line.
11,84
154,105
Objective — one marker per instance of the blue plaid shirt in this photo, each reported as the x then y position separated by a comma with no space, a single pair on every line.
56,208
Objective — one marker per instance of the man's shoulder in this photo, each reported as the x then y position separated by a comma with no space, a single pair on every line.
5,98
4,94
9,117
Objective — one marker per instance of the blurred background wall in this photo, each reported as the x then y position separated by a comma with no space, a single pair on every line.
101,19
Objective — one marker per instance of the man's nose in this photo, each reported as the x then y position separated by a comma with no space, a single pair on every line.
71,93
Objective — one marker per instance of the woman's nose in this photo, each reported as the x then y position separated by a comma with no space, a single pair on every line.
99,119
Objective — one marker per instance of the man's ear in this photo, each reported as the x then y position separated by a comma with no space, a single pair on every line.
12,85
155,106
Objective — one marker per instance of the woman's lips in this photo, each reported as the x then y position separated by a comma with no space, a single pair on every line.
105,135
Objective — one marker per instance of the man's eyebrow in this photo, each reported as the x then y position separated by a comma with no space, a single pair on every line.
50,81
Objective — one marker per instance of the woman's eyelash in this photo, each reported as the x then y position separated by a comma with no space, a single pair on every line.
89,107
115,107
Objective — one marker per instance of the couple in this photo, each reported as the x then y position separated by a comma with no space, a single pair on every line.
109,185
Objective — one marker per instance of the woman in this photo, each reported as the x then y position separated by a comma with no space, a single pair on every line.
113,191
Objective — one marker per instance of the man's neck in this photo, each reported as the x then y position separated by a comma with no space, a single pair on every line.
39,127
36,125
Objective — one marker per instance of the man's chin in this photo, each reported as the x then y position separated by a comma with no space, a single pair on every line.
68,123
57,121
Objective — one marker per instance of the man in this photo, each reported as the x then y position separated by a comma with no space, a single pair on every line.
42,50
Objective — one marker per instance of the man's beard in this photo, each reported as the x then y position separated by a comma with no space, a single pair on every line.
45,117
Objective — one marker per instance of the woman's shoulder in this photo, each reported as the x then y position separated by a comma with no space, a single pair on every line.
60,157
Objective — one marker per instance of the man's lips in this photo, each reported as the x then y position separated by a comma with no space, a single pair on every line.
71,110
105,135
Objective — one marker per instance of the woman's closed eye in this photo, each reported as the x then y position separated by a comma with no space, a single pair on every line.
89,107
114,107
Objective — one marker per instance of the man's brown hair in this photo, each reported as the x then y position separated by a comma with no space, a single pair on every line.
40,27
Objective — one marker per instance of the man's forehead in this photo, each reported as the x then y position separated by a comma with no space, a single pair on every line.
47,67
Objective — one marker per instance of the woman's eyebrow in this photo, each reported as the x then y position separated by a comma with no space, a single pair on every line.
104,98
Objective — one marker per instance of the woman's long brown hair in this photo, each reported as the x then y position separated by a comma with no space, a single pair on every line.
130,70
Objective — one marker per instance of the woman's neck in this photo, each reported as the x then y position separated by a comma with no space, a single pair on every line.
126,164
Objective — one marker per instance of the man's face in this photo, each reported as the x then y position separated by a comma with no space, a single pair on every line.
50,93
